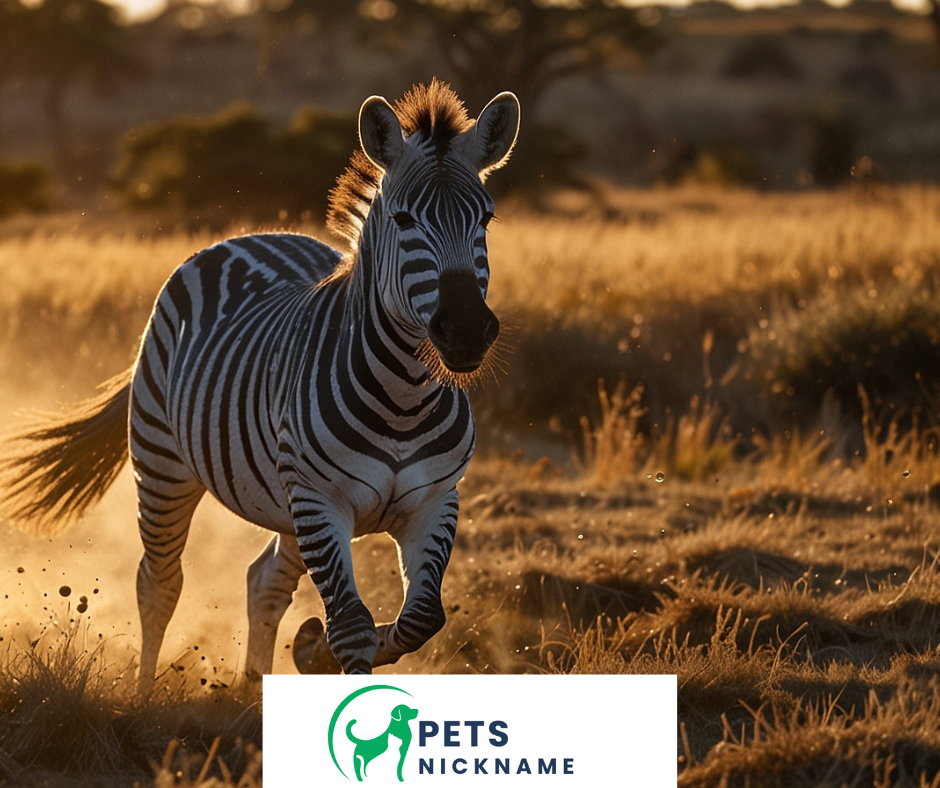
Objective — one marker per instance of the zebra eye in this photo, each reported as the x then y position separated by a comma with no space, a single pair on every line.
404,220
487,218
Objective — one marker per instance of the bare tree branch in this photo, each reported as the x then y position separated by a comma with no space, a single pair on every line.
526,45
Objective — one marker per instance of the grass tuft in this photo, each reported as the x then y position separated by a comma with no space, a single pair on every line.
697,445
613,449
68,716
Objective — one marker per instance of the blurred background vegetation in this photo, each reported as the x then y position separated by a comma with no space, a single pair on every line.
225,104
233,116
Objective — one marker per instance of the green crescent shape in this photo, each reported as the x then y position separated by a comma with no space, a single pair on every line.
339,710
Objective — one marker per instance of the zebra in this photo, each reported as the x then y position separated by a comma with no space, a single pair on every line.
317,394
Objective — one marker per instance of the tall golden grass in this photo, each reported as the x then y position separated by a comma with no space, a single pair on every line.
644,248
589,259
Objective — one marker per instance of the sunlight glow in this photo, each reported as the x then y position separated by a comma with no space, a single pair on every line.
141,10
138,10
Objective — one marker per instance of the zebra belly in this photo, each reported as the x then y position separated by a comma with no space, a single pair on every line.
388,502
253,502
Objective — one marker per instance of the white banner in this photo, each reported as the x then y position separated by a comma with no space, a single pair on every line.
462,730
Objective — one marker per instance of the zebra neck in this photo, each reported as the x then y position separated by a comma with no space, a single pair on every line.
383,355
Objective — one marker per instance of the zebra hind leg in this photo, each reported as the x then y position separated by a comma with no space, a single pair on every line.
312,652
272,580
165,510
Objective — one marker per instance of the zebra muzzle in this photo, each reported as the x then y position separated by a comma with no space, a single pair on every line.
463,328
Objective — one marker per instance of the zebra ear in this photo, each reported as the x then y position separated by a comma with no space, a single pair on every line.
380,132
491,140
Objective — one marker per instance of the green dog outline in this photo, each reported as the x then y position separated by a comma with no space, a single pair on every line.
369,749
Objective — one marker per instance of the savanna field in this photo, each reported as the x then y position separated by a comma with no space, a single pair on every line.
710,446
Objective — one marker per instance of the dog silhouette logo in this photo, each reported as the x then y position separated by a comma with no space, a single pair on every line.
367,749
396,723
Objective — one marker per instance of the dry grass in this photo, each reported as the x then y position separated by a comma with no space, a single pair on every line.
791,690
692,244
784,564
804,625
71,715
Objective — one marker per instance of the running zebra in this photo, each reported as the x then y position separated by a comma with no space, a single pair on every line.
315,394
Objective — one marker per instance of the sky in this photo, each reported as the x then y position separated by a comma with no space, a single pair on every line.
136,10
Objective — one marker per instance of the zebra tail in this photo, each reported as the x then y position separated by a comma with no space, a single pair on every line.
56,466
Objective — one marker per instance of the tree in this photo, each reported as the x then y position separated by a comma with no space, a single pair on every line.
526,45
935,15
64,42
280,18
12,25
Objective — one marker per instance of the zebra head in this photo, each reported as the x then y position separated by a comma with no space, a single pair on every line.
430,216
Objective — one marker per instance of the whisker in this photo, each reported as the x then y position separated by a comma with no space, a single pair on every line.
494,365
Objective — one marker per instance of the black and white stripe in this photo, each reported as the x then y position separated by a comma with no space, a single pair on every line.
295,386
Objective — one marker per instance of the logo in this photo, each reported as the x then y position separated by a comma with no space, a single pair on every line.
394,723
459,731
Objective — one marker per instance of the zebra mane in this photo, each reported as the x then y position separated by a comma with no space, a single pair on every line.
436,114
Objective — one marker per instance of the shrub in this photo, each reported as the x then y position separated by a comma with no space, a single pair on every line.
25,187
870,81
762,56
235,164
724,165
885,340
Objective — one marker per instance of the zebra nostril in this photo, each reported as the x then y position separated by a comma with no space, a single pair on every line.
437,328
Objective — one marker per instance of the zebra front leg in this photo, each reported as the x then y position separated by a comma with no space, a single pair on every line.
423,554
324,536
424,550
272,580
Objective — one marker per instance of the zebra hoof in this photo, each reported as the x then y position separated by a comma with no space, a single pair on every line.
311,651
